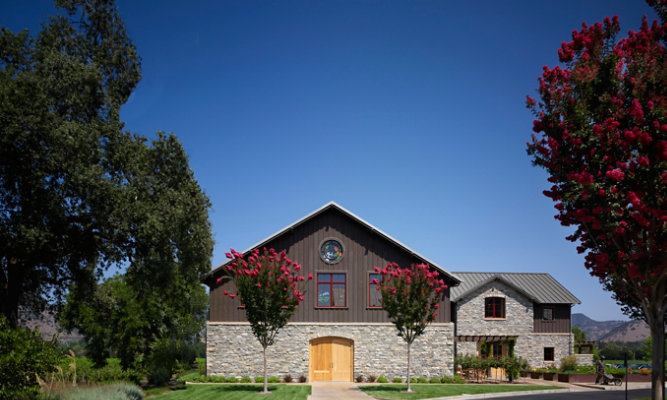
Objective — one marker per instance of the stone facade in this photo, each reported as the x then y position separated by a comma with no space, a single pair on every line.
518,322
232,350
584,359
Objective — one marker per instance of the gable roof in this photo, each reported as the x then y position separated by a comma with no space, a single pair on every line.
333,205
539,287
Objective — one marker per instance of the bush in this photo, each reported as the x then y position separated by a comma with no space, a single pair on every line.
168,357
413,380
273,379
259,379
397,380
421,379
456,379
288,378
231,379
302,379
568,363
434,380
359,378
117,391
201,366
23,357
382,379
372,378
246,379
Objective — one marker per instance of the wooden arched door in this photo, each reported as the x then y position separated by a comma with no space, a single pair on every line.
331,359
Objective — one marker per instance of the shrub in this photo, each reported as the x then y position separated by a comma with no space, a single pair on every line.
259,379
397,380
117,391
246,379
302,379
201,366
456,379
231,379
359,378
382,379
421,379
24,356
434,380
413,380
288,378
372,378
568,363
273,379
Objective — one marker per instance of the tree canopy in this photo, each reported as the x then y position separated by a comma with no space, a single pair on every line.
603,140
77,193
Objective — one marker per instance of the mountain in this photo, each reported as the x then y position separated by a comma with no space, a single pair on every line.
46,325
611,331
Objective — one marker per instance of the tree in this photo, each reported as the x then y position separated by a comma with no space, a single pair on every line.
269,289
60,95
603,140
579,335
411,298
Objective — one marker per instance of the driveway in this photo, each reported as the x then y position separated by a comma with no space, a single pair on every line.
337,391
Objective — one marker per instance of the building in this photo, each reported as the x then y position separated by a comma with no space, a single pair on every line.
340,330
528,313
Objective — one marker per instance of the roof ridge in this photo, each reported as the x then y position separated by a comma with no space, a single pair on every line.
498,272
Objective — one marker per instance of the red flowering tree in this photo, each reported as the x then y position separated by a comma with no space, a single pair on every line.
269,289
602,136
411,298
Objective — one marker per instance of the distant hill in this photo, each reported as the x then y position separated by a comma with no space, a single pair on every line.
46,324
611,331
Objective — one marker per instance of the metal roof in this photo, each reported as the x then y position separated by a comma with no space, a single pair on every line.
333,205
540,287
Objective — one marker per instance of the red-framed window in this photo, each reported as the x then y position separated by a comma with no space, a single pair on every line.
549,354
331,290
494,307
374,295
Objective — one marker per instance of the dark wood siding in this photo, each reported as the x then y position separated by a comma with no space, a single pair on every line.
560,323
363,249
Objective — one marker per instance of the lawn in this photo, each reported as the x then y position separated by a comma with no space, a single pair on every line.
235,391
430,391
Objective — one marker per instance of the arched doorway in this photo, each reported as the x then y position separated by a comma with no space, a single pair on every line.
331,359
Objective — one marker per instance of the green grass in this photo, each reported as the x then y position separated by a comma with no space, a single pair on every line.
237,392
430,391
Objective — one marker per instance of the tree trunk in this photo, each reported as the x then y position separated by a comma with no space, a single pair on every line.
657,324
10,291
266,383
408,380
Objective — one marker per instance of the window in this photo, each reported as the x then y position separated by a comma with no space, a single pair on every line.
494,307
548,354
331,251
331,290
374,295
548,314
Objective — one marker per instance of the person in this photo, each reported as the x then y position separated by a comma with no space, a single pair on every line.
599,370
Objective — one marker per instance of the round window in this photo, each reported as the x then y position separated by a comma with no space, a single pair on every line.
331,251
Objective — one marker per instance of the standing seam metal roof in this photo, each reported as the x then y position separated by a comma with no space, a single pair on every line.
541,287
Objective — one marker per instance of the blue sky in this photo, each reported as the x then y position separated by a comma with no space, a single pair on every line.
410,114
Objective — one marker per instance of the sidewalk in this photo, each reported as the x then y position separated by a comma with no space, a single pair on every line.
337,391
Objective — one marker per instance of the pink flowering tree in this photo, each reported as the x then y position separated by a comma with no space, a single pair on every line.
270,289
411,297
601,134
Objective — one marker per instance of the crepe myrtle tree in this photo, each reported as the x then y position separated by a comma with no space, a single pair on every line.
270,290
411,298
601,134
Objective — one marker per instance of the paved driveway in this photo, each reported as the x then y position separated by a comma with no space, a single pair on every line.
337,391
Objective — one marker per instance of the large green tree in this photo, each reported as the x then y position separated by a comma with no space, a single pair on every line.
77,193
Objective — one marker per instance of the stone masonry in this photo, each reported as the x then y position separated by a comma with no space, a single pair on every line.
232,350
518,322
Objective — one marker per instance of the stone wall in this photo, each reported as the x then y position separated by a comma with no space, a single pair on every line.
232,350
584,359
518,322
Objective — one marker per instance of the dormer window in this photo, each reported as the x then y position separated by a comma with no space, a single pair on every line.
494,307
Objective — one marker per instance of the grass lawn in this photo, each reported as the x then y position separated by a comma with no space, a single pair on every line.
236,391
428,391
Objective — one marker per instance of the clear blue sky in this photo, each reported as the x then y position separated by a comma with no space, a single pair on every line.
410,114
